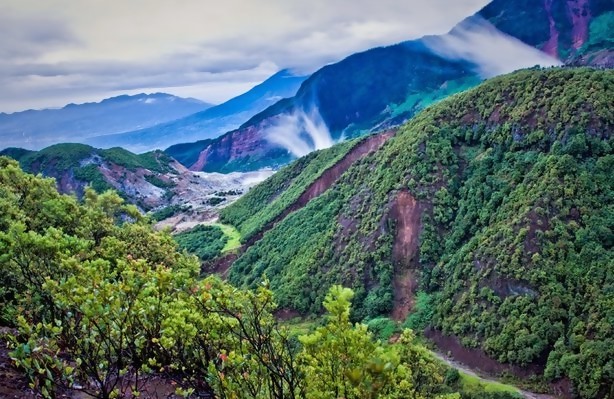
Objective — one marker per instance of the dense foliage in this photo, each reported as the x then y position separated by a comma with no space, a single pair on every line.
204,241
101,303
167,212
514,184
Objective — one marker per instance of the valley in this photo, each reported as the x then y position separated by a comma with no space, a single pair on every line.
427,219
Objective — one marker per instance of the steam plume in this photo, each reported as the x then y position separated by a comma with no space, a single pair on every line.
300,132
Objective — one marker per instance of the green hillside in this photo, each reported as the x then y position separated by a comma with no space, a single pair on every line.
511,184
268,200
95,303
59,158
75,166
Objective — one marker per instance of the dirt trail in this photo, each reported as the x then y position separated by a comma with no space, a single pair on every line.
461,367
476,361
327,179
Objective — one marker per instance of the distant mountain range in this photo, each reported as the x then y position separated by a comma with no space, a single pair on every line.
209,123
142,122
288,116
385,86
35,129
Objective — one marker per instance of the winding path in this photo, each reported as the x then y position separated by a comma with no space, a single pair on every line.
461,367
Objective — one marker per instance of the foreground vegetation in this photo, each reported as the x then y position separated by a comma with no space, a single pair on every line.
101,303
513,183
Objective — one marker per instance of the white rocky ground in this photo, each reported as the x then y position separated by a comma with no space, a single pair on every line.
194,190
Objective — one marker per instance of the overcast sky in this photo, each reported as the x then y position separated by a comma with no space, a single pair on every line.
54,52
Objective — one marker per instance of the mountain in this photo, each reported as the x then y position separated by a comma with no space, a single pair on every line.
151,180
486,219
35,129
385,86
211,122
578,32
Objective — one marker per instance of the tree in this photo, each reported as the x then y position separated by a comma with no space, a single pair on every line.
343,361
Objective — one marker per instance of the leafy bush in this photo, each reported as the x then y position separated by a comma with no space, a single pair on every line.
422,313
167,212
213,201
204,241
382,328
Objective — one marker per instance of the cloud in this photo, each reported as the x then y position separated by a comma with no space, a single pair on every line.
85,50
494,52
27,37
300,132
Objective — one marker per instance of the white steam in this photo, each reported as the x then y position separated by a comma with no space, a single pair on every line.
300,132
495,53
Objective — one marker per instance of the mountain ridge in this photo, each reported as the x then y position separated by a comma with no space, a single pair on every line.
351,109
153,181
36,129
211,122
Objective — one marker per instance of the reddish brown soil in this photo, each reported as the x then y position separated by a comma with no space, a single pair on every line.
286,314
579,11
552,45
328,178
331,175
477,360
220,265
406,212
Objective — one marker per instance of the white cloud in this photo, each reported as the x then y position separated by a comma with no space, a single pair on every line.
67,51
478,41
300,132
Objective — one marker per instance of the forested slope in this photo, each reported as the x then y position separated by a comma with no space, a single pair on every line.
95,303
498,203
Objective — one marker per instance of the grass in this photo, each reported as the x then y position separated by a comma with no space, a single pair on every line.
234,237
471,383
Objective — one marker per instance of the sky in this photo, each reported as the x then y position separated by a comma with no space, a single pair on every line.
55,52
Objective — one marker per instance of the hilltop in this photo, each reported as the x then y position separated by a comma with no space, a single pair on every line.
37,129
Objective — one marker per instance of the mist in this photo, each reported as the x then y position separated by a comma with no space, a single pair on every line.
495,53
300,132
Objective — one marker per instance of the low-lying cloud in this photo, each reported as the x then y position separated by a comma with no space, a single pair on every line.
300,132
53,53
494,52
